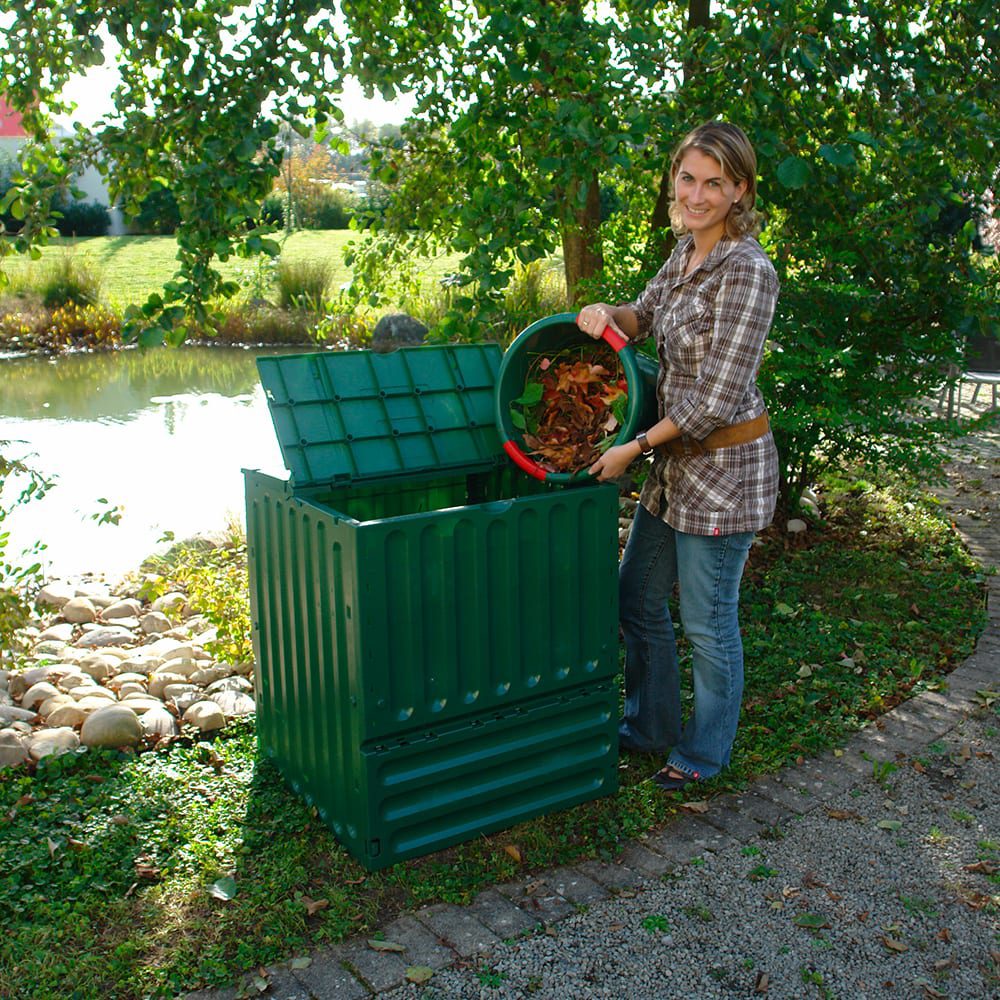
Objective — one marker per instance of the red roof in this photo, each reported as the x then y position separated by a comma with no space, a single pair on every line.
10,120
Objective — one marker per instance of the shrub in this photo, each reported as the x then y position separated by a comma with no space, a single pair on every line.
68,280
302,284
329,208
158,214
264,324
83,219
74,325
272,210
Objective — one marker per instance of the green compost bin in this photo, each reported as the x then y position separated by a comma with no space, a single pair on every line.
435,632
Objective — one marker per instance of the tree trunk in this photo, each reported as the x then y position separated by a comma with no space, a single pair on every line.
581,244
661,238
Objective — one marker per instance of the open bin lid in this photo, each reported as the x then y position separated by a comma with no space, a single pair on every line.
357,416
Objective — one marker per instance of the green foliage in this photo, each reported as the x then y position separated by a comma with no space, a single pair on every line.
303,284
83,219
20,572
69,281
158,213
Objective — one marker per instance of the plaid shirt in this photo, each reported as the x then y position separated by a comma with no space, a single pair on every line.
710,327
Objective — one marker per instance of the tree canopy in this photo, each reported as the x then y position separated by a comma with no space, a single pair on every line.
875,125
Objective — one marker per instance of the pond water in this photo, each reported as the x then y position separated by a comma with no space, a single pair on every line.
161,434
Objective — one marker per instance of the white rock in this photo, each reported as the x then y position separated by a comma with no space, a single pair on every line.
48,706
209,675
154,623
73,679
67,715
184,667
127,608
60,632
172,602
106,635
78,610
55,594
234,703
173,691
126,677
795,525
85,690
230,684
140,703
183,701
49,741
111,726
183,651
158,722
50,647
159,681
38,693
119,653
131,687
163,645
11,713
12,749
93,703
141,663
98,666
206,716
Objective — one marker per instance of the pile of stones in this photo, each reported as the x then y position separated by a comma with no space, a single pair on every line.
100,669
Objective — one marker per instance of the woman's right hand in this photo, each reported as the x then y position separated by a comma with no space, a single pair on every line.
594,319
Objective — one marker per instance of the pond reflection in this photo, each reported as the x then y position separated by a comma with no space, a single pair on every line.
162,434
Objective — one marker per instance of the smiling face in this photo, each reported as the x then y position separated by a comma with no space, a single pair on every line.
705,195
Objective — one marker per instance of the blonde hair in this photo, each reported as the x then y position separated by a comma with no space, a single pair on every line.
729,145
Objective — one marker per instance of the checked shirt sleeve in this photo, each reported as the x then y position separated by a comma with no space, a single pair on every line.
743,308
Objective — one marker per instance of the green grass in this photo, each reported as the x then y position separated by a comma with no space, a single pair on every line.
131,267
107,859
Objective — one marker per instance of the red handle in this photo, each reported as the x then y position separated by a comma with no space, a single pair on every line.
520,459
616,340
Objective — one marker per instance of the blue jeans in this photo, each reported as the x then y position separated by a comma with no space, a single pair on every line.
708,569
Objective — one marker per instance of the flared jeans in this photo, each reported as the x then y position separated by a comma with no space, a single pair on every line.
708,570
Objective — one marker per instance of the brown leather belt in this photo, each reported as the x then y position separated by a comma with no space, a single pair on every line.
721,437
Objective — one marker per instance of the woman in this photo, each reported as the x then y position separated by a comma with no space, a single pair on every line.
714,480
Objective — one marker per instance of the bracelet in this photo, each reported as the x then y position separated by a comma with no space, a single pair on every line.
643,442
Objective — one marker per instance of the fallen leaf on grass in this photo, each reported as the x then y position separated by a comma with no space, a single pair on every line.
812,921
313,906
762,983
53,846
699,806
223,888
419,973
889,824
944,935
377,945
513,851
919,768
894,944
932,994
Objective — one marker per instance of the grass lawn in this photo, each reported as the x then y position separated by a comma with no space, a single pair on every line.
131,267
108,859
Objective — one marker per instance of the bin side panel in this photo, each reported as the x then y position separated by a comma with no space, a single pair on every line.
302,576
478,608
488,774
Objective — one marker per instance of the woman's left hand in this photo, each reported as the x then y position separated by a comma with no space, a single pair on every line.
613,462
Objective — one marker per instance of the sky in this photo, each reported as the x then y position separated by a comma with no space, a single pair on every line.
92,94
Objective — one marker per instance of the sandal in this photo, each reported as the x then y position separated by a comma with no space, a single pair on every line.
671,780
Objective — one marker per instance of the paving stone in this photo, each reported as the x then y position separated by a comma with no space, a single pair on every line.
422,946
641,859
687,838
282,985
226,993
902,735
762,809
538,900
502,916
458,929
821,781
327,979
615,876
796,799
379,969
573,885
725,814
